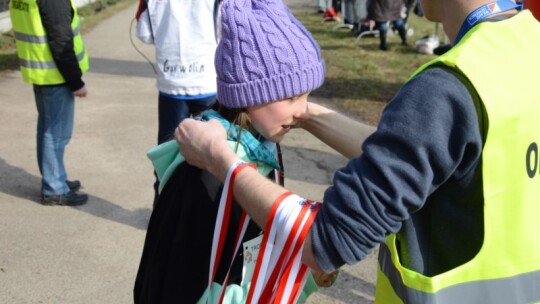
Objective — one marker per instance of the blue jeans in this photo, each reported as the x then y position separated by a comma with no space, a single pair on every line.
171,111
55,106
383,26
324,5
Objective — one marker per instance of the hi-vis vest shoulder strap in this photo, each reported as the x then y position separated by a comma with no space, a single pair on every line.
502,61
35,57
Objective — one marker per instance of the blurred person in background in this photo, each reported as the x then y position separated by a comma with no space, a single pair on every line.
384,12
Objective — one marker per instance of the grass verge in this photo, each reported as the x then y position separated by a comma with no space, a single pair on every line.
361,79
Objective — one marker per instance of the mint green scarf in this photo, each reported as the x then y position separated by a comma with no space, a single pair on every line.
166,157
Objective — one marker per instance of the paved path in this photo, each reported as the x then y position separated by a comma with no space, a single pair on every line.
90,254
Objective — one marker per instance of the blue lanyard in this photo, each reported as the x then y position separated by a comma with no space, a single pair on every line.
482,13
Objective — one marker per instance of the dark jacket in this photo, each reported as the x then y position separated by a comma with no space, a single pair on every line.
56,17
384,10
422,178
175,261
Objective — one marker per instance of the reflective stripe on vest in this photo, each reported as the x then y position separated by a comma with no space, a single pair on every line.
507,267
523,288
39,38
35,56
45,64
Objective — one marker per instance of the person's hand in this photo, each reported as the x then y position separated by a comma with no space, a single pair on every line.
300,124
325,279
204,145
82,92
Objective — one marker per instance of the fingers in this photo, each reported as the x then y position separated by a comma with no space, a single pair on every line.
204,145
325,279
196,139
82,92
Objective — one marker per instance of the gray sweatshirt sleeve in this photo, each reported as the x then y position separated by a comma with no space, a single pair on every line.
420,142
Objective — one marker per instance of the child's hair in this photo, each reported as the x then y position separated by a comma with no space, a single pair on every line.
264,54
237,116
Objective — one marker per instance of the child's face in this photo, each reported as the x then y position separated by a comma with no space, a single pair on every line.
274,120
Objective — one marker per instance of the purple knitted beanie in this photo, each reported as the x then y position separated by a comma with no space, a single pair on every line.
265,54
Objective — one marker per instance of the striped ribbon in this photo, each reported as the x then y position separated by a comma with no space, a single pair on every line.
279,274
222,224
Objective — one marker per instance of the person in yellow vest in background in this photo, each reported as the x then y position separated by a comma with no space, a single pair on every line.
53,59
449,182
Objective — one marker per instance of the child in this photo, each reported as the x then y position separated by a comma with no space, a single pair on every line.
185,75
266,64
383,12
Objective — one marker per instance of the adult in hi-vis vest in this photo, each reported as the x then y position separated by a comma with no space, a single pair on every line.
448,183
52,58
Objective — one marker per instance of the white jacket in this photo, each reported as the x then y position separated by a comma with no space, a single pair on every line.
184,35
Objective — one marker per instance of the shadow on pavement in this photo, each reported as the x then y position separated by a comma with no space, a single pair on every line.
18,182
323,163
99,207
121,67
351,288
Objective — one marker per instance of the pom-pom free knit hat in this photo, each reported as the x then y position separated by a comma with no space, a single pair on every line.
264,55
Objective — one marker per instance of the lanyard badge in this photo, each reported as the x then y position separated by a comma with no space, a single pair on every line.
484,12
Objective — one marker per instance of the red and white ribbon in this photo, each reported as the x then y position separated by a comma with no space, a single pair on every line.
279,274
222,224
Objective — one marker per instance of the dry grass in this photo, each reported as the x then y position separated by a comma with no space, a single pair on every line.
360,78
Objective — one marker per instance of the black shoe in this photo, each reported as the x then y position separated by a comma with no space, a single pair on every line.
355,27
69,199
403,35
74,185
382,37
442,49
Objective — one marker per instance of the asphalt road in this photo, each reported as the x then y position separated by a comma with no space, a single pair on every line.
90,254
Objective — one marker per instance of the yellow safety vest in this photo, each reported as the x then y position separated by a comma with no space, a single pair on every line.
502,61
35,57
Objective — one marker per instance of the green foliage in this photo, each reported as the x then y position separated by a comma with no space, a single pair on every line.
8,61
8,58
7,41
